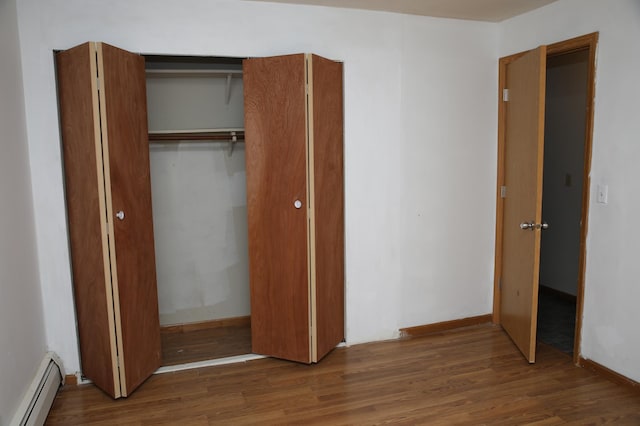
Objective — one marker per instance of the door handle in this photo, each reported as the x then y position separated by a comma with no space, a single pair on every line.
532,225
120,215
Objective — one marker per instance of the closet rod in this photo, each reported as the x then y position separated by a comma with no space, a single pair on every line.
223,136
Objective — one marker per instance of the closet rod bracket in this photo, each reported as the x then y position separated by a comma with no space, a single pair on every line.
228,89
232,142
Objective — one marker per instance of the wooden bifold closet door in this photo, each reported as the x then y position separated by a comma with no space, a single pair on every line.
294,158
102,98
295,202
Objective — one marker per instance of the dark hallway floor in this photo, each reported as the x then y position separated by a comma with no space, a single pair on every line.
556,319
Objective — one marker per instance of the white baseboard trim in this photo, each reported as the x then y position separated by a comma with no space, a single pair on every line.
219,361
37,401
208,363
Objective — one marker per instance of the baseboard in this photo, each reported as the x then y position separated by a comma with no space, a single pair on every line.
206,325
71,380
37,401
607,373
558,293
421,330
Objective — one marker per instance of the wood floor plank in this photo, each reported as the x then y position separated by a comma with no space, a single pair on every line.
191,343
467,376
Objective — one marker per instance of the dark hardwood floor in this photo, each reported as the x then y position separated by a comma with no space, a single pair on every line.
183,344
467,376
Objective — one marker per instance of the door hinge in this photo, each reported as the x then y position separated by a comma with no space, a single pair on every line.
505,95
503,191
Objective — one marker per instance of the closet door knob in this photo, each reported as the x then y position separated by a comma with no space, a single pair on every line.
120,215
297,204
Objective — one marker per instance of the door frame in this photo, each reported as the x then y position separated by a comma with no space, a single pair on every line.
586,42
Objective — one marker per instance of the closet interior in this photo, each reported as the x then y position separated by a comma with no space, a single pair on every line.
198,183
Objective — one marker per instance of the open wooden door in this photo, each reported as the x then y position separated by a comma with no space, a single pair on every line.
102,96
328,199
277,204
522,220
125,145
295,204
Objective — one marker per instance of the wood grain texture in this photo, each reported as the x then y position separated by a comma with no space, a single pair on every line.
467,376
274,99
438,327
84,187
608,373
244,321
205,340
120,381
328,188
497,277
124,83
497,267
311,211
71,380
524,148
573,44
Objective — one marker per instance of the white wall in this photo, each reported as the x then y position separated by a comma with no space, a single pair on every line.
611,316
199,202
445,194
22,334
200,229
420,142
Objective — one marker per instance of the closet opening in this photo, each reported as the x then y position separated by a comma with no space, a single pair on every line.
195,112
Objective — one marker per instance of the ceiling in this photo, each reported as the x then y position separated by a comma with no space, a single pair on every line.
476,10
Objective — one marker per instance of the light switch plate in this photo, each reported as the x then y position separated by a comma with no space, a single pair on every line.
603,194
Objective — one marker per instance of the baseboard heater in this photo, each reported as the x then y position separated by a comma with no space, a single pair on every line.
35,405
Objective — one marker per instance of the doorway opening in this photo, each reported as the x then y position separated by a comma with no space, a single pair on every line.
196,125
532,260
563,171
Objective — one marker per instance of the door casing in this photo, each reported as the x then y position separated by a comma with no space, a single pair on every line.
589,42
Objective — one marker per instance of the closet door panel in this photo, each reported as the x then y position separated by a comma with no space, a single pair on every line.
275,134
328,183
84,186
127,160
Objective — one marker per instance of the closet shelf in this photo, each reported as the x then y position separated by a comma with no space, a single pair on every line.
205,135
193,73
